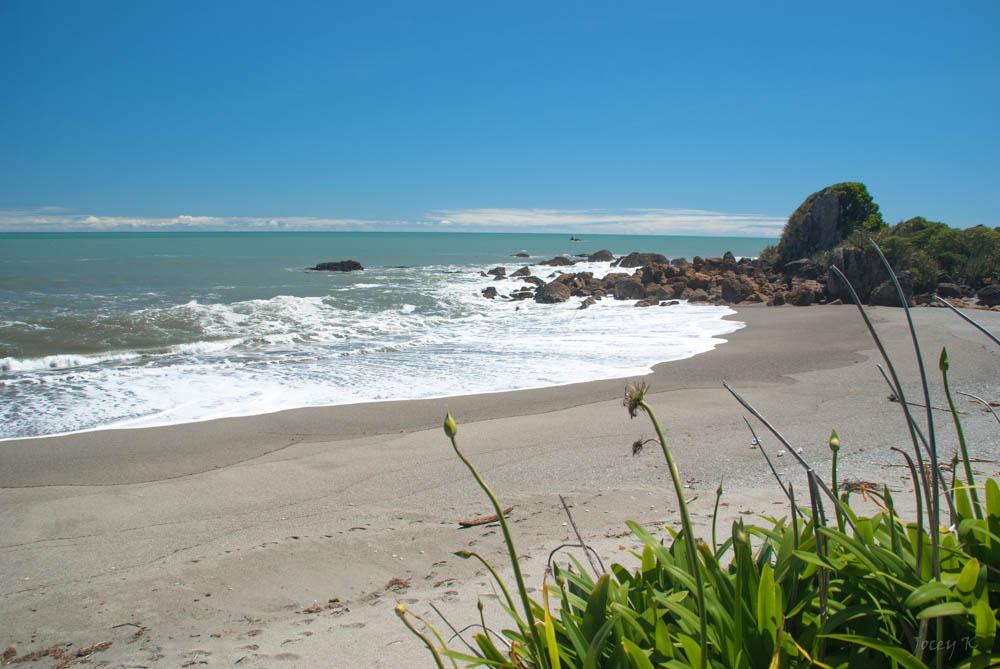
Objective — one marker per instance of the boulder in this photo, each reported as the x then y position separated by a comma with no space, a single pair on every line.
947,289
698,295
498,272
645,303
533,280
522,294
699,280
777,300
802,296
636,259
338,266
603,255
489,292
679,262
885,295
733,290
802,268
558,261
989,295
669,303
629,289
520,254
862,268
552,292
728,258
825,218
589,302
524,271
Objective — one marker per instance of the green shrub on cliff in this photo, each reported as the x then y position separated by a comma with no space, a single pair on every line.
826,217
931,251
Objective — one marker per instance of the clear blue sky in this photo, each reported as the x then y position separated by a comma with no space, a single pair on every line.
477,111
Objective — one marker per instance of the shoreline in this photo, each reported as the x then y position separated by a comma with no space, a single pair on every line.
717,340
228,541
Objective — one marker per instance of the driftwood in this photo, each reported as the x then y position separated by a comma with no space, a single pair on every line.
484,520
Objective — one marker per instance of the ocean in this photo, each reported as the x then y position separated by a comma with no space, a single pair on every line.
139,329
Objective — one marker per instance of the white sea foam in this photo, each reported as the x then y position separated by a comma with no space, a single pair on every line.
433,336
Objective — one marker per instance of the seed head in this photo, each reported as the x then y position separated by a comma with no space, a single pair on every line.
635,393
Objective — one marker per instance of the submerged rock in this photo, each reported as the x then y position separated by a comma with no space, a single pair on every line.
603,255
338,266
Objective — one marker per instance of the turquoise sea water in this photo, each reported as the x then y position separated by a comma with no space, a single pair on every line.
116,329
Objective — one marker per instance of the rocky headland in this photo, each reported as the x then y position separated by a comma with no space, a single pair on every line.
831,228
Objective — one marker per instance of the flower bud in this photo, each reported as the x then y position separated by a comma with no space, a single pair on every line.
834,441
450,427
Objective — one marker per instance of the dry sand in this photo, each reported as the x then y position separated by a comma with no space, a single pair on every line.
285,539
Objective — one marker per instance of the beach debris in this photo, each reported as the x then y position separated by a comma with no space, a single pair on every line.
781,453
397,584
484,520
60,652
639,444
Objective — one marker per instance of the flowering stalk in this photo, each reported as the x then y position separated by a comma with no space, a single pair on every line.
635,399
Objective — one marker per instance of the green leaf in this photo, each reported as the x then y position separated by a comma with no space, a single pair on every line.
928,592
597,605
942,610
637,655
894,653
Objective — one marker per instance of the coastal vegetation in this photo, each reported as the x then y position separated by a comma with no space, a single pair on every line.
926,253
824,585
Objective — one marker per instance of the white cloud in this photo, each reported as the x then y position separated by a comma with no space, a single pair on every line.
576,221
624,221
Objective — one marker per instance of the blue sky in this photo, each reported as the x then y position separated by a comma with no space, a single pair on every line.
617,117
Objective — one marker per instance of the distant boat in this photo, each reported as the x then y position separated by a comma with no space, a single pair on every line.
574,238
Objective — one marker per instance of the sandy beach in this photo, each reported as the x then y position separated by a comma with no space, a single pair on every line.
285,539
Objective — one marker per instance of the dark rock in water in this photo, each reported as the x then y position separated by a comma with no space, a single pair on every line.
629,289
553,292
524,271
339,266
589,302
645,303
669,303
989,295
558,261
489,292
522,294
534,280
636,259
498,272
949,290
520,254
603,255
580,255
